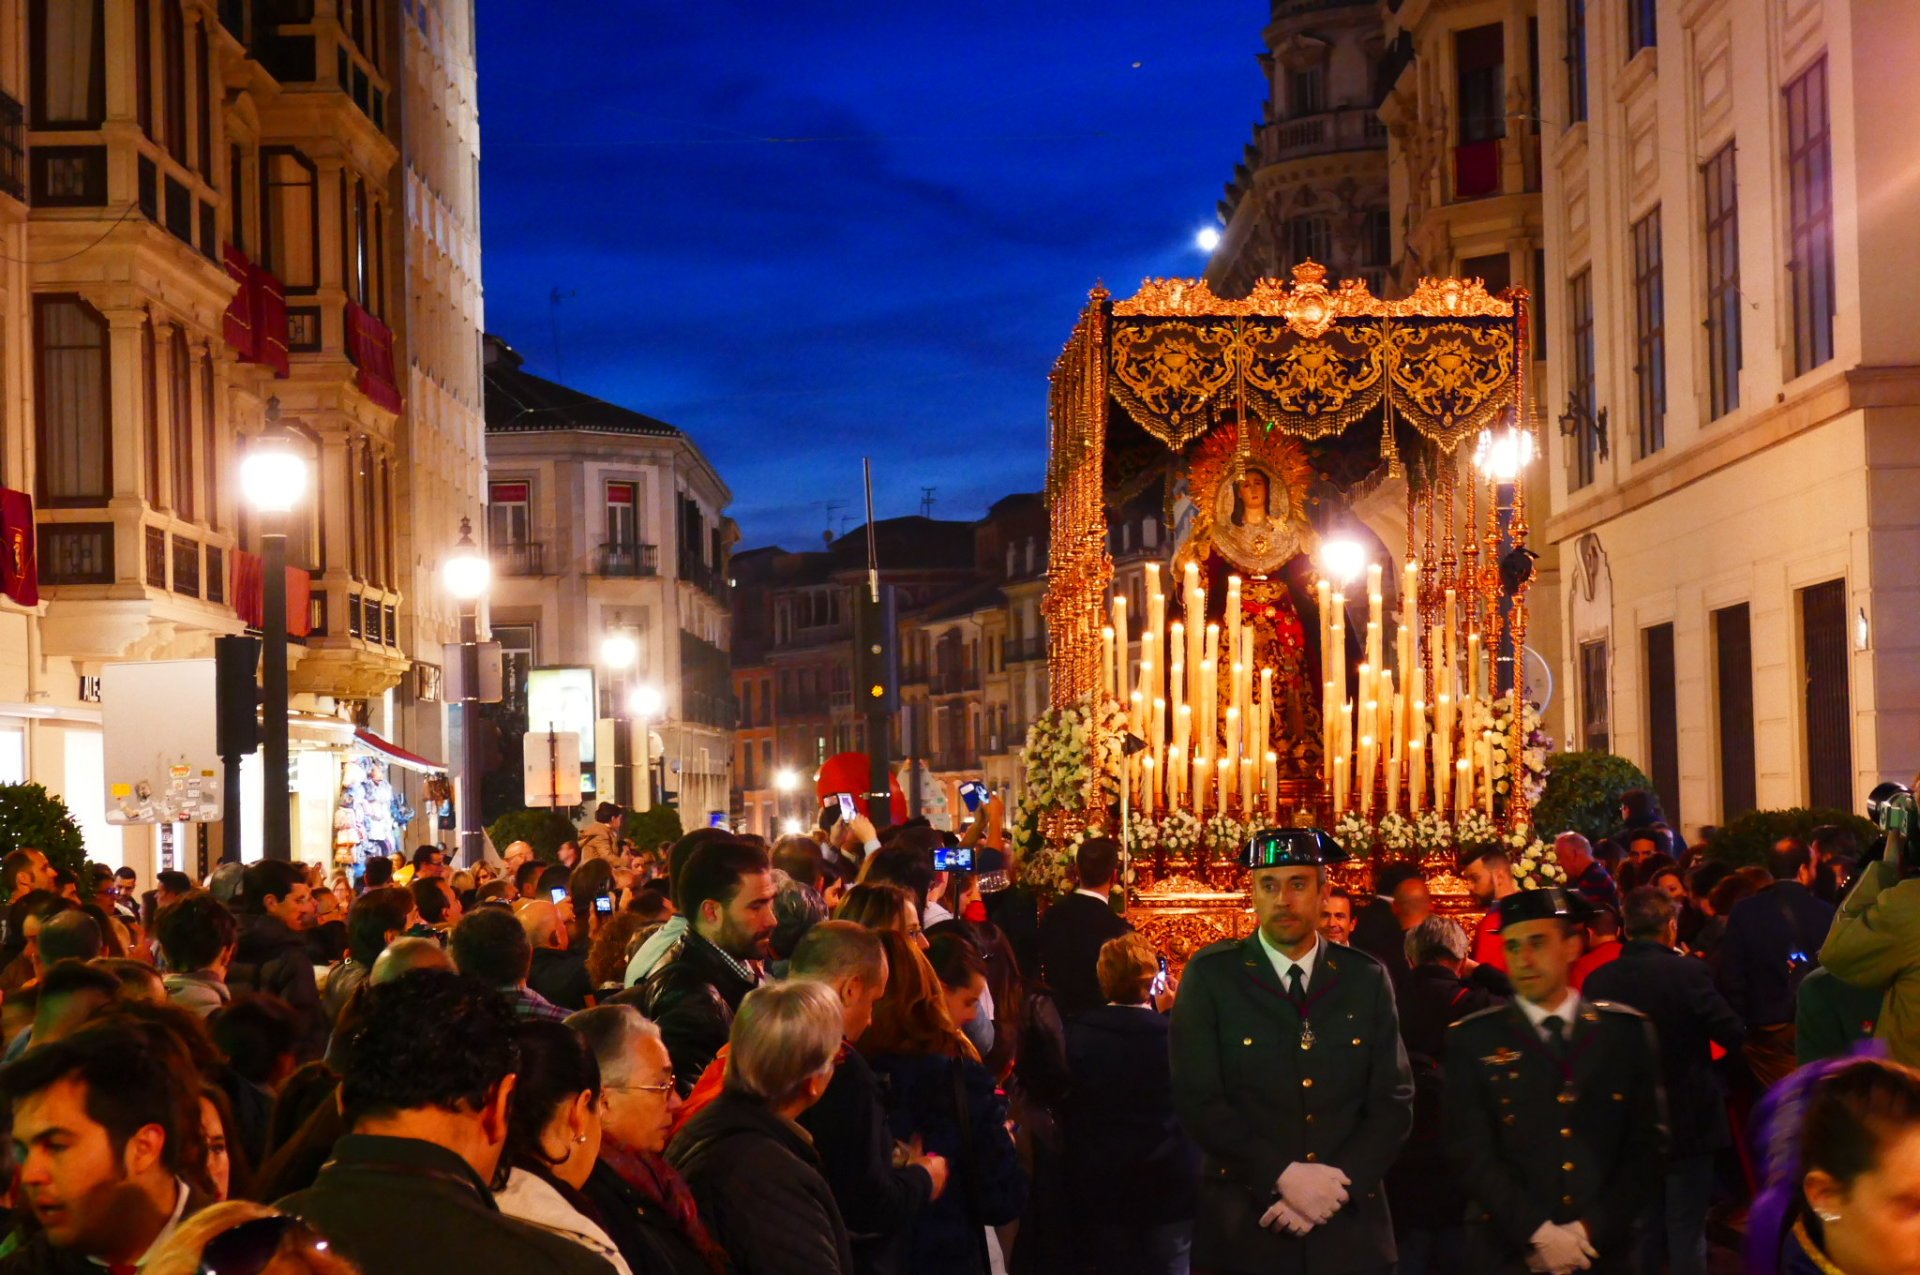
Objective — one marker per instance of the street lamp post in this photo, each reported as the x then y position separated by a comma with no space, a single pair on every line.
620,653
784,782
1500,455
467,573
272,478
646,704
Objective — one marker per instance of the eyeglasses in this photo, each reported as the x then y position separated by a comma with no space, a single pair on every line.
247,1249
661,1088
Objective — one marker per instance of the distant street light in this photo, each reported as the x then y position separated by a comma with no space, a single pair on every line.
786,781
1208,239
467,574
1501,454
619,650
273,477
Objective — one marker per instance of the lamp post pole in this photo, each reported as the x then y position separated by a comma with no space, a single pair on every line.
272,478
467,574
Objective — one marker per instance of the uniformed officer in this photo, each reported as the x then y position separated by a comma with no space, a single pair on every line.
1554,1118
1289,1072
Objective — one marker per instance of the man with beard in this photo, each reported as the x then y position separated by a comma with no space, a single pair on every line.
1289,1072
1489,877
97,1137
726,893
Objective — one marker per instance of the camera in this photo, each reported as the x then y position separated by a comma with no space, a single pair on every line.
1891,807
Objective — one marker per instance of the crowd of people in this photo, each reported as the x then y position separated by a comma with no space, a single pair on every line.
832,1054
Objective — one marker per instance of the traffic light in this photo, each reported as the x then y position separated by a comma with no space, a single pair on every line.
236,703
876,670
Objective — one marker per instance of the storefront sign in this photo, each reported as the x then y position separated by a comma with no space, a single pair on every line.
562,699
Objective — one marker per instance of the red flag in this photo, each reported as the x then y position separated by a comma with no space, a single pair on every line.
19,570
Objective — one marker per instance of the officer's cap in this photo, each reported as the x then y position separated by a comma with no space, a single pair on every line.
1291,848
1543,905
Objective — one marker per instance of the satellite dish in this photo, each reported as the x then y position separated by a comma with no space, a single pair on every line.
1539,686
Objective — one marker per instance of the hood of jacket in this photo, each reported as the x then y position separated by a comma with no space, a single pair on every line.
532,1198
198,991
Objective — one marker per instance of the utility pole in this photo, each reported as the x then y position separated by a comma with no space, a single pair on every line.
876,670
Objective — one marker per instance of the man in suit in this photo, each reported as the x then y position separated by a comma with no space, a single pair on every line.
1771,937
1688,1014
1289,1073
1553,1114
1075,928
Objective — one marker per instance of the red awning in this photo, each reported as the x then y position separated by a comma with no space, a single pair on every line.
396,754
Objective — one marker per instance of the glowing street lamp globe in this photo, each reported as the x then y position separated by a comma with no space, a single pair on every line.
646,701
619,650
273,475
466,572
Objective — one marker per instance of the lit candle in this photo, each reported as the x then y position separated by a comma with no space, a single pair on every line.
1121,641
1176,784
1200,788
1159,729
1463,785
1146,786
1227,758
1273,787
1339,786
1106,662
1208,721
1417,773
1233,619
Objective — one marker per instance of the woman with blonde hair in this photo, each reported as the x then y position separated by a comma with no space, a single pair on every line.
880,906
245,1238
938,1093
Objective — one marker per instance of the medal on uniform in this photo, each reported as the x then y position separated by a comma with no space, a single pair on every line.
1306,1033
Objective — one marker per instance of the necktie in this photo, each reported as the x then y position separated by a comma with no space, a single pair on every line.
1556,1034
1294,990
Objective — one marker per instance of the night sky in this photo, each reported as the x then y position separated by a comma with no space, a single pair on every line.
804,233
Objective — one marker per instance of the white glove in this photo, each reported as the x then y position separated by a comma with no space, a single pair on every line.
1315,1191
1561,1249
1282,1218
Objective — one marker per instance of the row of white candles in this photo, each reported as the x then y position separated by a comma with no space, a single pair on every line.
1208,751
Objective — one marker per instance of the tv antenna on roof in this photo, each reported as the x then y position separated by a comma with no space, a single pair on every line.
926,501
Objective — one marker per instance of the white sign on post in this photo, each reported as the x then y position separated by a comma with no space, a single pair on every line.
163,765
550,767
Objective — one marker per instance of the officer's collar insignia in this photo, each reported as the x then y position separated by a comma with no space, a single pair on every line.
1502,1057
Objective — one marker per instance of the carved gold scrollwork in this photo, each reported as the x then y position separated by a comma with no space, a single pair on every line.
1452,379
1313,387
1169,375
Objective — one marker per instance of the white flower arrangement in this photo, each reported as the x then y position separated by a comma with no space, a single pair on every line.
1068,749
1474,829
1223,835
1433,833
1354,834
1397,835
1533,756
1049,869
1180,833
1535,865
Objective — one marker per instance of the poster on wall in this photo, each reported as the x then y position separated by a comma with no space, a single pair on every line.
561,699
163,765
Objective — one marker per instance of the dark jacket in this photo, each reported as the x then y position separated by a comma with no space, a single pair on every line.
692,998
1071,935
1120,1112
272,958
1831,1016
1762,933
561,977
1531,1145
758,1184
1377,932
36,1255
1689,1014
877,1201
1256,1102
986,1187
400,1206
1423,1193
644,1234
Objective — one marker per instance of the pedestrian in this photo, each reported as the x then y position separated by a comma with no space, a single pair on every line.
1831,1016
1376,922
612,945
489,944
882,906
726,892
601,838
1587,876
754,1174
1336,916
1428,1203
1488,873
102,1140
1689,1015
197,936
553,1139
1843,1140
963,985
271,955
1553,1114
1120,1111
797,908
426,1099
1875,945
1773,939
1289,1073
376,919
556,971
666,941
224,1160
1076,927
940,1098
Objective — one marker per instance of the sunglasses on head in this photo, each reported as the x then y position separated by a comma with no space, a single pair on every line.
246,1249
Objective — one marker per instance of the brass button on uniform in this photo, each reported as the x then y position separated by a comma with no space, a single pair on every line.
1247,1041
1566,1133
1566,1199
1313,1157
1567,1167
1356,1040
1309,1117
1508,1119
1307,1083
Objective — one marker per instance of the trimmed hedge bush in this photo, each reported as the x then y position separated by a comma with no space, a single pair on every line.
1583,794
33,817
1747,839
544,830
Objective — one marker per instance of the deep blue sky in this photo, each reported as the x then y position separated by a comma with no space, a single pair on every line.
899,283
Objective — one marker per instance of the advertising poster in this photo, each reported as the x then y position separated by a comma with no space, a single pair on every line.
561,699
163,765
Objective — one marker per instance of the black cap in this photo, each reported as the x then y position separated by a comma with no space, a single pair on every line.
1543,905
1291,848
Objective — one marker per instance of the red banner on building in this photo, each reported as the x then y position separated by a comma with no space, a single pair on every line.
19,569
250,594
370,346
255,323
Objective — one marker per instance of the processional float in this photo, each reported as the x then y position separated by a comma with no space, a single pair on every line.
1340,638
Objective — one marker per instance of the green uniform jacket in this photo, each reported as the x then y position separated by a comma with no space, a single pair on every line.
1535,1139
1875,942
1257,1101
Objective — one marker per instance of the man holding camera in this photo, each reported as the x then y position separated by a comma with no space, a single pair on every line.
1289,1072
1875,939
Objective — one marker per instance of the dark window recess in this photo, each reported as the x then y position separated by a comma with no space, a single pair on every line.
1576,58
393,626
1829,716
303,329
76,552
379,110
290,58
1537,327
370,619
1308,239
1594,733
1663,721
148,177
1733,679
343,71
13,153
1649,337
209,234
1810,218
186,566
1494,269
68,176
355,627
1723,282
1480,56
180,211
1642,25
317,617
156,545
216,574
1580,386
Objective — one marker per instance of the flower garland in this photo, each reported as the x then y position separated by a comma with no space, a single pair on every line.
1223,836
1475,830
1354,834
1397,835
1535,865
1068,749
1533,756
1180,833
1432,833
1049,869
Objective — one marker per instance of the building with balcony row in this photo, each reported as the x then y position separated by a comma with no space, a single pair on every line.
604,521
205,206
